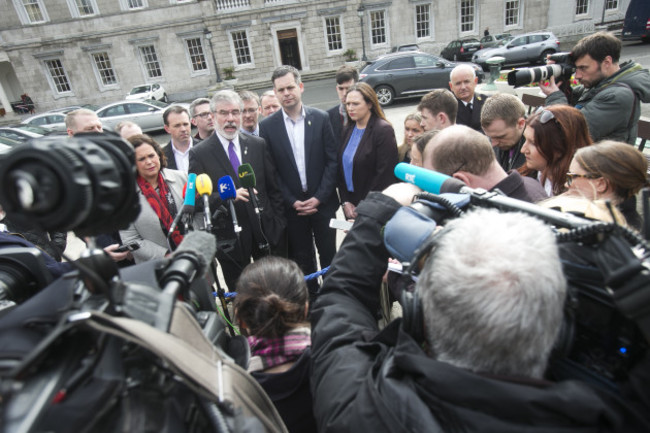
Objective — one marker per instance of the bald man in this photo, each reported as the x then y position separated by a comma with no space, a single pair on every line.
462,82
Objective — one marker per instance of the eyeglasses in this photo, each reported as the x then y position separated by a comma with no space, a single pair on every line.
224,113
203,115
570,177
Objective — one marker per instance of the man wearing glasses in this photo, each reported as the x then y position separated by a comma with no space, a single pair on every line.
250,113
220,155
202,118
610,94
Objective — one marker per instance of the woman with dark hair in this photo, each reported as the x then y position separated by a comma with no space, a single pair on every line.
161,197
610,170
553,134
412,129
368,155
271,310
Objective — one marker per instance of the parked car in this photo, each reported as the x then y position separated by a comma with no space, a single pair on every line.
637,21
24,132
69,108
153,91
493,40
408,74
461,49
522,49
405,47
51,121
148,114
7,143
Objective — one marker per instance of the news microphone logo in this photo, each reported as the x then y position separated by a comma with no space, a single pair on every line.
409,178
227,189
190,190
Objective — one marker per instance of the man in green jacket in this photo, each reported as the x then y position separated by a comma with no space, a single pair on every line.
610,94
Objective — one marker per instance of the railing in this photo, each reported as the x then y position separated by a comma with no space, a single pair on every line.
579,28
227,5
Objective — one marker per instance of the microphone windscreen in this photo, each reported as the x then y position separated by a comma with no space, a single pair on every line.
203,184
199,244
428,180
227,188
190,190
246,176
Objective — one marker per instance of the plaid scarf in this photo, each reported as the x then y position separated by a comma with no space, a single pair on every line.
269,352
163,204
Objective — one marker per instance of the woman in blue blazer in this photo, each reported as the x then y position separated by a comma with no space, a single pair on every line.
368,153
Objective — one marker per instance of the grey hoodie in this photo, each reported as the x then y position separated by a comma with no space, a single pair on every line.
613,107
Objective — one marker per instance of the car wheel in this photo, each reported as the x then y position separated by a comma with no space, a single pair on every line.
385,95
542,57
164,98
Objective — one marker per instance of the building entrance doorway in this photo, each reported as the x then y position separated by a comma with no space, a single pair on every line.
289,52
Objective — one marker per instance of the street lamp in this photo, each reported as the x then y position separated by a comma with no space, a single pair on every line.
208,35
360,12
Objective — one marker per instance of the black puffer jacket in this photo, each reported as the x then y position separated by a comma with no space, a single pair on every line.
365,381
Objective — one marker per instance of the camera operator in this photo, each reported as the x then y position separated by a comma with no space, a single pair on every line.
610,94
492,292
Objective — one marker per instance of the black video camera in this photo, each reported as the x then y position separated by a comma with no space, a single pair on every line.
604,335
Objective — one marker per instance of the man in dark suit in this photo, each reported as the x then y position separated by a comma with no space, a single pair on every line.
463,81
220,155
346,76
178,126
303,146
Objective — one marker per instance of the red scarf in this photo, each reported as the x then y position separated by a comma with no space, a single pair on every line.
163,204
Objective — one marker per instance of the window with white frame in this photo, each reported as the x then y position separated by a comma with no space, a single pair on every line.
611,5
512,13
128,5
333,33
378,27
423,21
82,8
241,48
150,62
57,76
467,15
582,7
31,11
104,69
196,54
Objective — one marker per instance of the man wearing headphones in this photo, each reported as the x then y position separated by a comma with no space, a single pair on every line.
491,292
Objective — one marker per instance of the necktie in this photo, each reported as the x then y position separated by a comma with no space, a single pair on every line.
470,106
232,154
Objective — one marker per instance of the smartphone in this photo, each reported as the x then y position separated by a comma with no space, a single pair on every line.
127,247
340,224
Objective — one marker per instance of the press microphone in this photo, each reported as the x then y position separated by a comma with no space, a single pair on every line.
204,188
429,180
188,203
228,192
190,260
248,181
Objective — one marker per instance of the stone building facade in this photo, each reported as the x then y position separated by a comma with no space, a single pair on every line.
66,52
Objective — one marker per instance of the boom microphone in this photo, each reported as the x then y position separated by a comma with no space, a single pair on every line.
190,260
188,203
204,188
428,180
228,192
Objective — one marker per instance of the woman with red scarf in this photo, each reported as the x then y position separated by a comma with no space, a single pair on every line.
161,197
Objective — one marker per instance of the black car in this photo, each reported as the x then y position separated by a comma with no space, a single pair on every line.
408,74
461,49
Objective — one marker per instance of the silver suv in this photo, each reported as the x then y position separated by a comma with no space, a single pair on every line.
522,49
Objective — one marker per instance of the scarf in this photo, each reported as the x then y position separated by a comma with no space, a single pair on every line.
163,204
269,352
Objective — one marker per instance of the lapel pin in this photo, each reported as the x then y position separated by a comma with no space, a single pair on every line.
309,122
246,150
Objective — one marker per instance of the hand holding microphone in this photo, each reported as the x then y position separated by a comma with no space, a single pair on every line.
247,180
188,204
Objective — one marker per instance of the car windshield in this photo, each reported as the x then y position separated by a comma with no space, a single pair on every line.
34,129
156,103
140,89
504,41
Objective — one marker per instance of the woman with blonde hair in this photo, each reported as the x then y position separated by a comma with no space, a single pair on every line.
412,129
